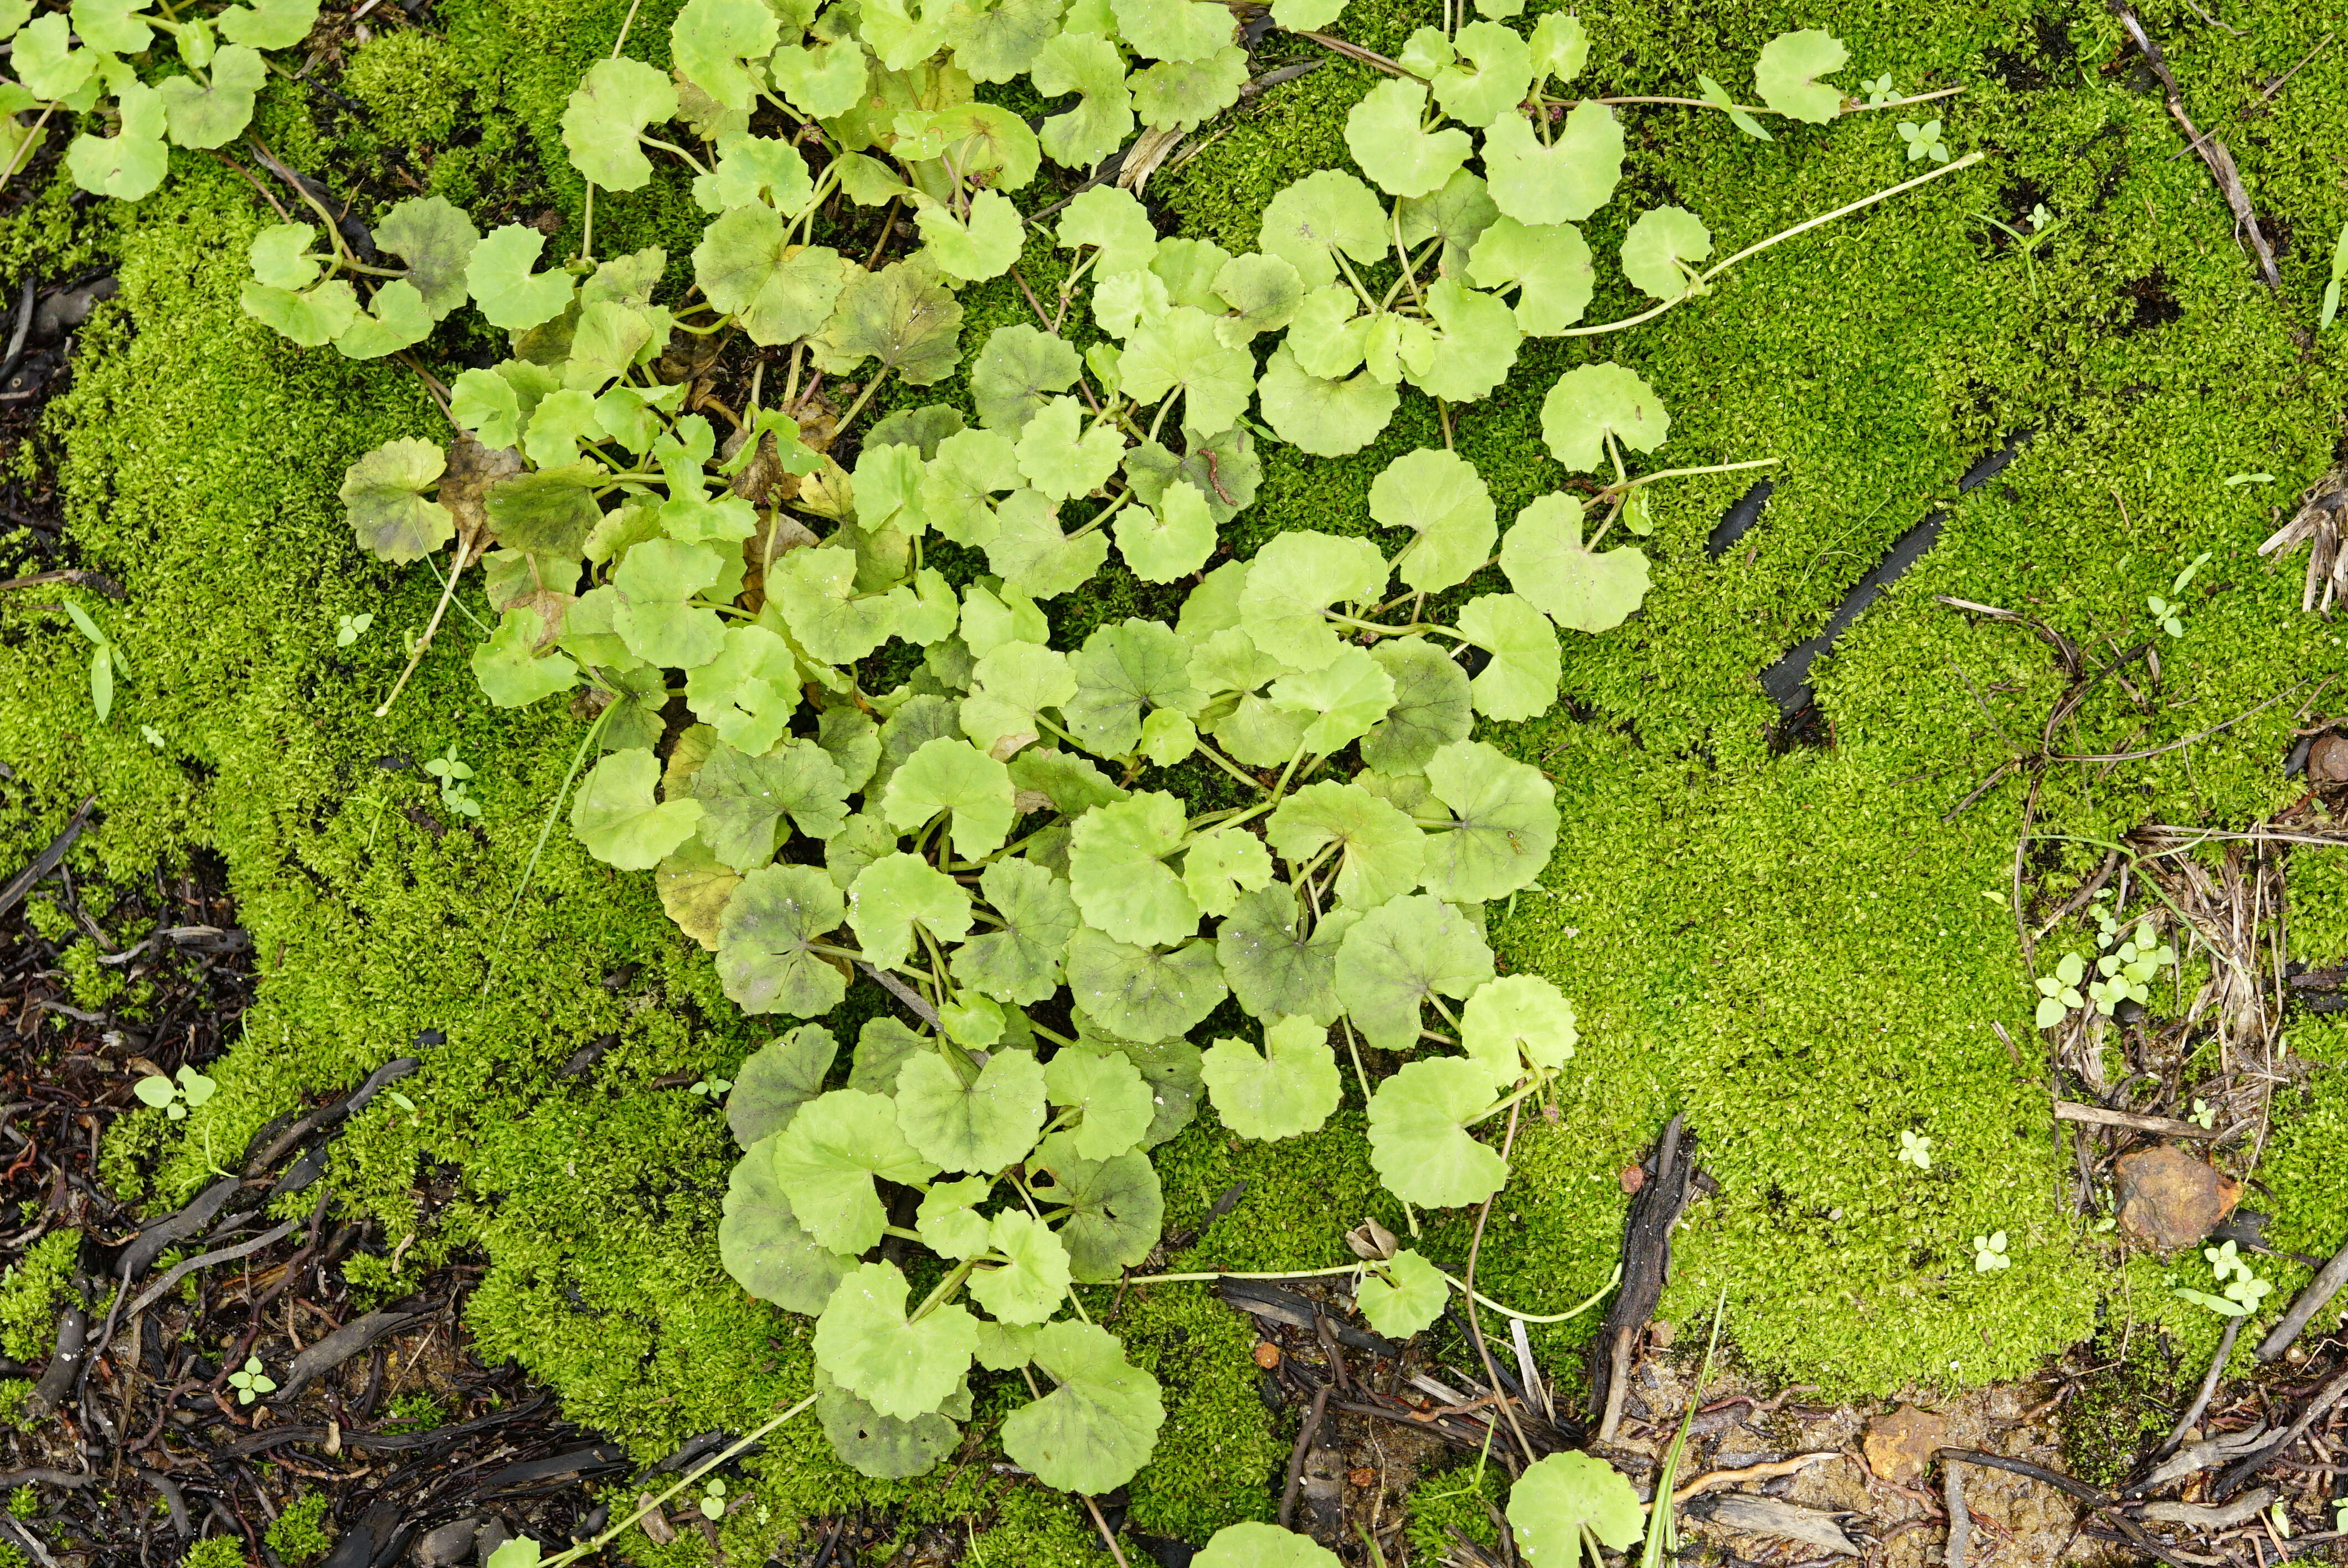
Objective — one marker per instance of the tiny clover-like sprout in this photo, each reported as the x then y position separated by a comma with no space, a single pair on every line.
1339,703
1563,182
1517,1021
1324,210
951,775
1419,1145
1296,576
1034,1279
1656,252
1878,90
2058,993
898,892
766,938
1102,118
778,1079
1400,954
1117,870
1380,852
1021,369
1251,1544
1019,963
2204,1114
713,1499
1441,499
1550,263
1915,1149
1989,1253
251,1382
608,110
2166,614
383,497
1141,993
711,40
901,1369
1184,349
1506,814
715,1088
971,251
1569,1505
1168,539
1579,589
1404,1297
1495,71
1383,132
778,292
500,278
1110,1095
1319,417
1520,680
617,819
902,316
1594,401
1093,1432
982,1125
207,117
1221,865
1923,140
827,1158
1432,706
1291,1089
1061,457
1786,74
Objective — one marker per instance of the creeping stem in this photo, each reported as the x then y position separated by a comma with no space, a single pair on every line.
595,1544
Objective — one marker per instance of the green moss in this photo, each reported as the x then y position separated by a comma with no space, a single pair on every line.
23,1502
2118,1409
301,1534
1036,1529
215,1551
31,1293
14,1391
94,984
1460,1498
415,85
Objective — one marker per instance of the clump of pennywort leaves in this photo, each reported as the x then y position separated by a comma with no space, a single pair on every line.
893,771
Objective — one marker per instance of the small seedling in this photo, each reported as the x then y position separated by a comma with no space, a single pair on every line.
2339,275
2340,1514
1915,1149
2039,217
349,628
175,1100
2058,993
1989,1253
2241,1288
2127,968
105,660
452,776
2167,610
2232,480
1923,141
1878,90
2204,1114
251,1382
151,735
713,1501
715,1088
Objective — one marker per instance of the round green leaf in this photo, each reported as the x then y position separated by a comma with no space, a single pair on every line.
752,169
607,111
1657,243
500,278
1173,30
1102,118
1221,865
1551,264
1494,72
1093,1432
1418,1143
1141,994
1010,685
1477,344
1507,813
1019,964
1339,703
1276,966
1406,1298
825,1160
1458,215
1021,369
1109,1093
1520,680
1560,1497
1515,1020
1184,349
1401,953
655,617
882,1048
616,819
995,44
1254,1545
779,1077
764,941
1431,706
509,667
983,247
1384,134
816,591
205,116
882,1446
1579,589
947,774
778,293
1121,673
893,895
902,316
1289,1090
1117,871
745,799
1563,182
1327,208
437,241
899,1368
982,1125
1295,577
949,1224
1786,74
383,497
763,1246
1594,401
1062,457
1561,46
129,165
1441,498
1169,538
1033,554
711,40
1034,1279
1116,1207
1324,418
1380,850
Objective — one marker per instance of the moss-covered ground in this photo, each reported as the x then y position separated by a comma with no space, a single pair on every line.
1796,948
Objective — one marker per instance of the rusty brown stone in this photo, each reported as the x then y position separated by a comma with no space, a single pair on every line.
2169,1199
1267,1354
1899,1446
2327,760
